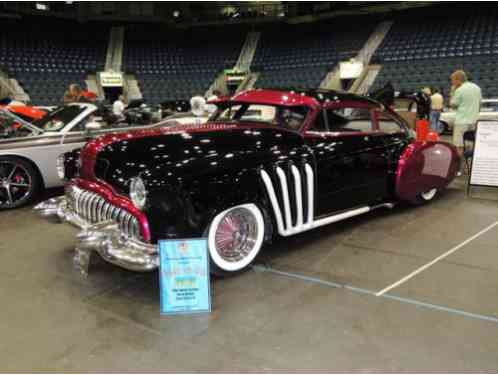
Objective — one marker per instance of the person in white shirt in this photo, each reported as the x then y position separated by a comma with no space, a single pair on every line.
118,106
437,103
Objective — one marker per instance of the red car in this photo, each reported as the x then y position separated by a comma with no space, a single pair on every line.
26,112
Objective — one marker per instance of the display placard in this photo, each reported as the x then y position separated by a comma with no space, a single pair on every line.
484,171
184,276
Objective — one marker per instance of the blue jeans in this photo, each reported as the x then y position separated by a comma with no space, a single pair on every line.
435,115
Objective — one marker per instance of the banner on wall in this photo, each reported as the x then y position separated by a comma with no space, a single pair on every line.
111,79
184,276
350,69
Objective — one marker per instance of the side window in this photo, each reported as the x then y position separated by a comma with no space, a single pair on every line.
388,124
349,120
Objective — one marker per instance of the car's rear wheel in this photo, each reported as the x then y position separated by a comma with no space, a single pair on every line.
425,197
19,182
235,238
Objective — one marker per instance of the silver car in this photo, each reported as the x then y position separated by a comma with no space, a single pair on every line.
29,152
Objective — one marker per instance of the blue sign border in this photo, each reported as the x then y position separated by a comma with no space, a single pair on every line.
208,276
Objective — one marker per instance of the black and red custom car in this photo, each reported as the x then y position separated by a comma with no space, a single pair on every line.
268,162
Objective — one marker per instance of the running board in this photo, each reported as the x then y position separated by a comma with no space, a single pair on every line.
304,220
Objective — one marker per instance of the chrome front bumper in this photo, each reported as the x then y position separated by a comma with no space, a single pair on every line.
105,238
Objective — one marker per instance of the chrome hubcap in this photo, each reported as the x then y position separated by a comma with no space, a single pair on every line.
15,183
236,235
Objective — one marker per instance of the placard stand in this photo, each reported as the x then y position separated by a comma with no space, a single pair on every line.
184,276
484,167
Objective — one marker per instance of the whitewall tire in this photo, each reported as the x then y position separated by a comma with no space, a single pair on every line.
428,195
235,238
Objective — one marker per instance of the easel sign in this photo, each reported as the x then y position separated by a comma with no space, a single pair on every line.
484,169
184,276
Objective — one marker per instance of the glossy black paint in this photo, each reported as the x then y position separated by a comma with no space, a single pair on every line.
192,176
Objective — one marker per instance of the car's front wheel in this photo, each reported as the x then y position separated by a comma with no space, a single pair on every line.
19,182
235,238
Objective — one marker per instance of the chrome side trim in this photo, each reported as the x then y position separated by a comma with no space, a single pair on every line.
283,219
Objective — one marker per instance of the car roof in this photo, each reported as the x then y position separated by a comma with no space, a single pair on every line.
297,97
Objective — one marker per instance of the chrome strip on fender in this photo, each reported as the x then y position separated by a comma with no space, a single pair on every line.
288,228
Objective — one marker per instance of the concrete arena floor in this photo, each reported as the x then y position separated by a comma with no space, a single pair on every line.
53,320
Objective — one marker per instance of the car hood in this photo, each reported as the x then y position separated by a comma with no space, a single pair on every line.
179,153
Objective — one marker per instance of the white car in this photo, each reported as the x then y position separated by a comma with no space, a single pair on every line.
489,111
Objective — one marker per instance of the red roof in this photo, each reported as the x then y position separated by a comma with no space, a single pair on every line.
275,97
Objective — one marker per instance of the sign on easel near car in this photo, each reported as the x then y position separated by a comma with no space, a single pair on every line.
484,171
184,276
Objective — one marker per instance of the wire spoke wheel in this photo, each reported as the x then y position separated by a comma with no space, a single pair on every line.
16,183
235,237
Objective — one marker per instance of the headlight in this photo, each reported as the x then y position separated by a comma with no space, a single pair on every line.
138,193
60,167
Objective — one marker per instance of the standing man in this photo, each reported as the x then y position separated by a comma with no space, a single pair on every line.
437,102
467,102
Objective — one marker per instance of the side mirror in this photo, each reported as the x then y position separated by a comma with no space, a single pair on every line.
92,126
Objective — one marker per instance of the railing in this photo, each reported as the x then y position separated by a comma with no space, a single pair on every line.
115,47
333,81
248,50
373,42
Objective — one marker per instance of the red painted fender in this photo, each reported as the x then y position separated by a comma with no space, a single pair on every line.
424,166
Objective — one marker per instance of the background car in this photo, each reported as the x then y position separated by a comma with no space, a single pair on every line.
489,111
26,112
29,151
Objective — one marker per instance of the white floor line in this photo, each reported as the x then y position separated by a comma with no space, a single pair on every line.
424,267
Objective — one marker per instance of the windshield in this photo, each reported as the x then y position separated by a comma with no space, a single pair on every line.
12,126
291,118
58,119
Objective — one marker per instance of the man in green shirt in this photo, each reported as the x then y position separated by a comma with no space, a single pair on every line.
467,102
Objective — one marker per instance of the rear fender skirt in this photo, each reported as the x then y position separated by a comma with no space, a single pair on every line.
424,166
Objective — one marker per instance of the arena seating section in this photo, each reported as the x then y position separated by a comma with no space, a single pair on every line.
171,66
301,55
46,58
424,48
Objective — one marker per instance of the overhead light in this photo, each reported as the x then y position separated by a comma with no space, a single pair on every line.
281,14
40,6
176,13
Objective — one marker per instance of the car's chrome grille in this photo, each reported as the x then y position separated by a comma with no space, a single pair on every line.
94,208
